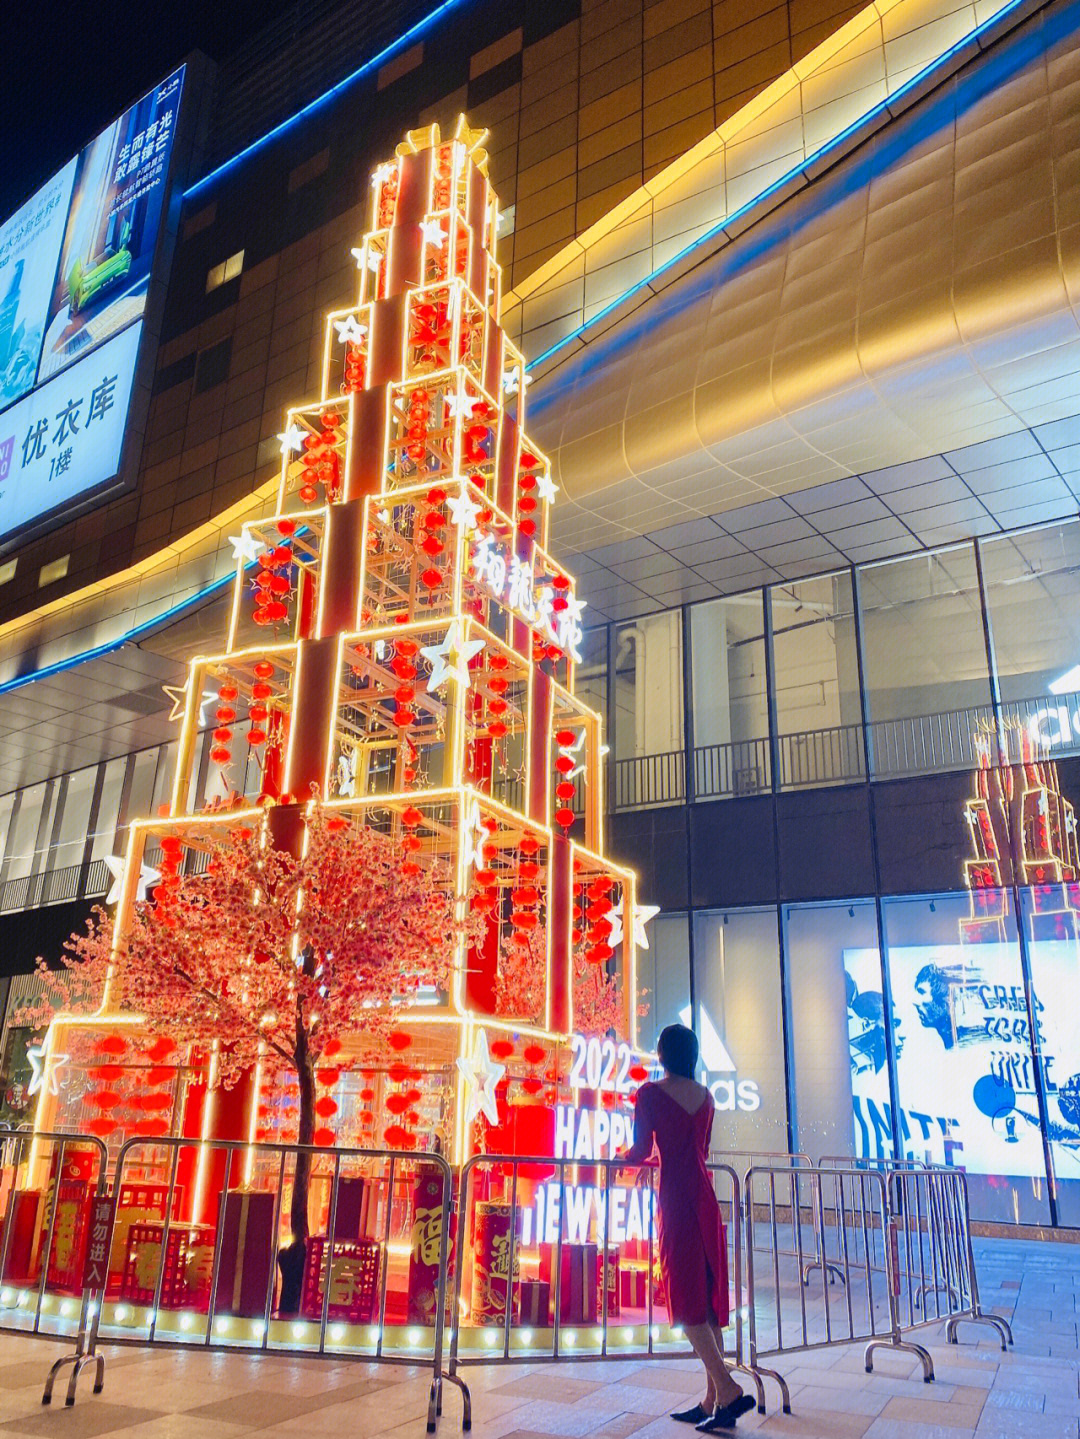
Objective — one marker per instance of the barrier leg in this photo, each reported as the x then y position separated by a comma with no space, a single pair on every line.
907,1346
758,1375
1001,1326
71,1359
466,1400
434,1408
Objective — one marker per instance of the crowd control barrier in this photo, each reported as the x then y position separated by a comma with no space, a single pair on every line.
559,1261
858,1254
188,1247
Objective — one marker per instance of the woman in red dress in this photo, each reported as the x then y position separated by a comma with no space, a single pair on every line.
676,1116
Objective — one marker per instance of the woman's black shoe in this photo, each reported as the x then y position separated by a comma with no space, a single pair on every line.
724,1418
692,1416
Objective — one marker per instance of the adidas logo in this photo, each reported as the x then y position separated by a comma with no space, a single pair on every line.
728,1091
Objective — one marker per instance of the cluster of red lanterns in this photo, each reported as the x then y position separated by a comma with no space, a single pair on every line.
404,667
428,534
564,786
273,585
402,1103
411,820
430,332
172,856
525,896
386,199
591,914
527,502
320,460
486,895
258,710
355,369
151,1104
497,684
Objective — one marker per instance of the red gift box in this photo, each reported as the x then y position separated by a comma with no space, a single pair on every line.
535,1304
634,1288
579,1276
247,1239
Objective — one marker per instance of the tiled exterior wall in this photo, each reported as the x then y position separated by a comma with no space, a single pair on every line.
580,117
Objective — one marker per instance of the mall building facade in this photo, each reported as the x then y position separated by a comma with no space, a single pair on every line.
798,287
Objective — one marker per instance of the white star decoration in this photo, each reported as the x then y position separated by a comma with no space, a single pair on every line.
463,511
546,488
476,836
148,876
574,750
434,233
37,1054
450,659
292,439
245,547
481,1075
515,380
643,913
460,403
357,252
350,331
381,174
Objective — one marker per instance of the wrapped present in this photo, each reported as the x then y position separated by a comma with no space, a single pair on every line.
350,1220
579,1286
425,1246
491,1262
71,1228
135,1204
535,1304
354,1280
247,1241
609,1265
26,1211
634,1287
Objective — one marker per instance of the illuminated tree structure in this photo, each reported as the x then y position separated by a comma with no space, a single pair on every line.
1020,826
399,664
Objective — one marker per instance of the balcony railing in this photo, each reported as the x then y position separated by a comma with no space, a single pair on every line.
55,886
650,779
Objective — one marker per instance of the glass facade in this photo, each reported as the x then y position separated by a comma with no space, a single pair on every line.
854,798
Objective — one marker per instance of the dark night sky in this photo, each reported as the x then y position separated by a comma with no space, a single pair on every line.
67,67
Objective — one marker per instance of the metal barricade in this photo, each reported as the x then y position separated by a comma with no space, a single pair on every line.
893,1247
25,1279
343,1296
788,1315
595,1240
935,1276
189,1245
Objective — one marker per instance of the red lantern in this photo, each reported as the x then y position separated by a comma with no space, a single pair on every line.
399,1040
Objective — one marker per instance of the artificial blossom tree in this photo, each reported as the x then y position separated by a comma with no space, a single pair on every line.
263,956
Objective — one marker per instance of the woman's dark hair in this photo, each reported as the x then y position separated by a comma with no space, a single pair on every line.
678,1050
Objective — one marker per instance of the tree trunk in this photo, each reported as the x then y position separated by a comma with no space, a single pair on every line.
291,1259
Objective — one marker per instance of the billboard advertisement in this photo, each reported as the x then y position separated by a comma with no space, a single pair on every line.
65,437
75,265
964,1056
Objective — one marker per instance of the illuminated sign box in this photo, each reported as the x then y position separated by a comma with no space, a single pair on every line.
75,267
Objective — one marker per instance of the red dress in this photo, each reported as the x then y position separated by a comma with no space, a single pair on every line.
693,1246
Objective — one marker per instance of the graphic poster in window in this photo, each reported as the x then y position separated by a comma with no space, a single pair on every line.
112,228
964,1060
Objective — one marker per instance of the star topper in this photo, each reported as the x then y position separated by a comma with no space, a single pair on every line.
245,547
450,658
350,331
481,1075
178,695
148,876
38,1055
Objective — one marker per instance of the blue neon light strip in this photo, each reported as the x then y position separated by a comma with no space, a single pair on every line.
309,109
784,179
136,633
